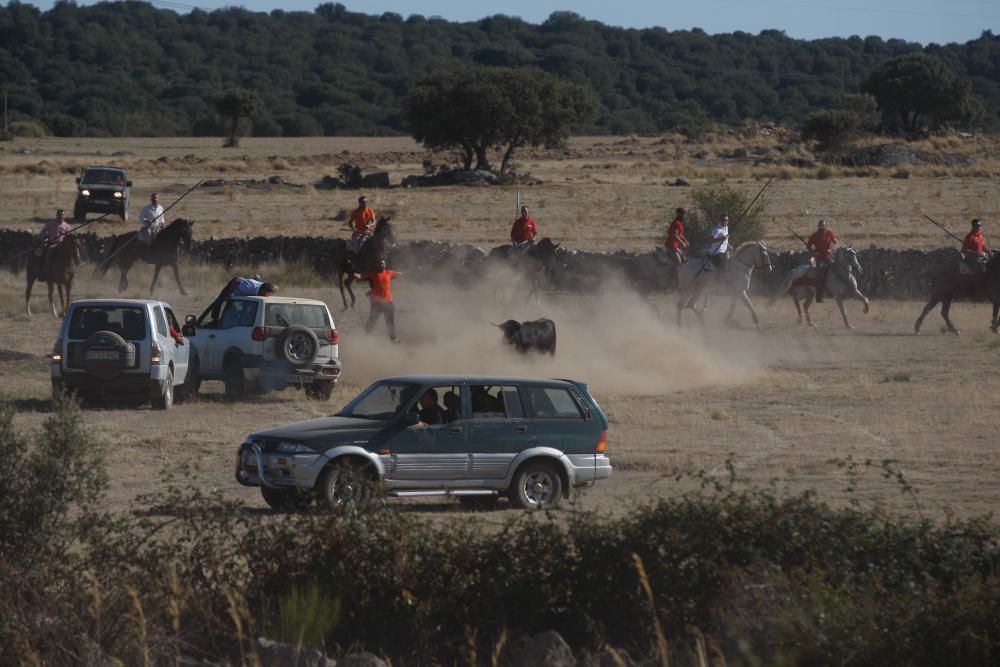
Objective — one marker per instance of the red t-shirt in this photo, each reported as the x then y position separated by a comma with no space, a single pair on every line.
822,242
524,229
381,285
974,243
674,234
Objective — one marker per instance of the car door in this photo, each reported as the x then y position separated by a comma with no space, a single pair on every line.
234,331
430,452
497,430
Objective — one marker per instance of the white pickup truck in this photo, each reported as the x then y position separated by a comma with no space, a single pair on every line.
267,343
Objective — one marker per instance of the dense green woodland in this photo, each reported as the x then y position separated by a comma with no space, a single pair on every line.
127,68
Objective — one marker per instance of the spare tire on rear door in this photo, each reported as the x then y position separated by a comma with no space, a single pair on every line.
105,355
298,345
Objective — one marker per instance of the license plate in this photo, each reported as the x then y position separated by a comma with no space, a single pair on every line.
102,354
250,459
101,201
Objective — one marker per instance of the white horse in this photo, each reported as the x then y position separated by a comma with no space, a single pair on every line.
694,280
840,283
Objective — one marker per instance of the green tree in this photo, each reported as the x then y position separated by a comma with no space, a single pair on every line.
917,91
234,104
472,110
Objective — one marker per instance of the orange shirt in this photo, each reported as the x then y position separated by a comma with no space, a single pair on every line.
821,242
381,284
674,234
974,243
362,221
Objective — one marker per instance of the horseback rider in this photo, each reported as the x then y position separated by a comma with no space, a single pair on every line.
362,223
676,242
151,220
822,243
523,232
53,233
974,250
720,245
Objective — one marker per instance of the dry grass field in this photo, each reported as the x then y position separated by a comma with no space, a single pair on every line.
789,406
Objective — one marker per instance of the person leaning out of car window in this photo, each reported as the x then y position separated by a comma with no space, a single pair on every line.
236,287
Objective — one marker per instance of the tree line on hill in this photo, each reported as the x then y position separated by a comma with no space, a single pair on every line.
130,69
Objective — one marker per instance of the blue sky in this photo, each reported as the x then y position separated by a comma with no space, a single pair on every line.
923,21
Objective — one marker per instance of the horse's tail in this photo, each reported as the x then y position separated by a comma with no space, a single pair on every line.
105,264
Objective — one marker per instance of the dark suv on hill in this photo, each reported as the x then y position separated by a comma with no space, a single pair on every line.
102,190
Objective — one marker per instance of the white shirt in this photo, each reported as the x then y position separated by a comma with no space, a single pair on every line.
152,216
719,245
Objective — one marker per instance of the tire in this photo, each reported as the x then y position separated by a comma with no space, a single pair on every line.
286,500
192,383
344,484
107,341
166,399
235,383
478,503
298,345
537,486
319,391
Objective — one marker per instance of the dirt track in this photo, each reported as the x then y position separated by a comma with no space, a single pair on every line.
789,405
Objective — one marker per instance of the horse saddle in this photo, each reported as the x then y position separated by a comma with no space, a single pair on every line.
972,268
145,235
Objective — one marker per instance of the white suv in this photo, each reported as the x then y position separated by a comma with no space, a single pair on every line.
122,348
267,343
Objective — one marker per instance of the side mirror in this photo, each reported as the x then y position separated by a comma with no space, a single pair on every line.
411,419
128,184
191,319
188,330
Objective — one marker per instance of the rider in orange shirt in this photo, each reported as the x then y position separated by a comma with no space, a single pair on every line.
822,243
974,247
362,222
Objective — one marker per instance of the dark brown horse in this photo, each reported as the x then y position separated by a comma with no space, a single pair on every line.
375,250
534,263
949,284
62,267
161,252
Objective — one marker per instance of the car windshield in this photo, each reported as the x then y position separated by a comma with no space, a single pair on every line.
127,322
286,314
102,177
382,400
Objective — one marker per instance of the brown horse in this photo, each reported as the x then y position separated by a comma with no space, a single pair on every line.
347,263
162,252
949,283
62,267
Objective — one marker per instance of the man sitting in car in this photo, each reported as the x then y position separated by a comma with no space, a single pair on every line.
431,413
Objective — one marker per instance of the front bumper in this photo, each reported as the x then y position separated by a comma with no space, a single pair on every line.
255,467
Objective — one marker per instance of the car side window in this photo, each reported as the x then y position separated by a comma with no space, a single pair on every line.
161,322
238,314
495,402
552,403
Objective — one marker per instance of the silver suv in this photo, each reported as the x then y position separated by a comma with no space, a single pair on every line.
266,343
122,348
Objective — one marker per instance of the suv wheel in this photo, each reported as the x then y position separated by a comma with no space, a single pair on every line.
298,345
319,391
166,398
286,500
537,486
344,484
232,376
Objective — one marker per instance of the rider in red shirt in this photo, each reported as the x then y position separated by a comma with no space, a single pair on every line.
822,243
524,230
381,298
974,247
676,240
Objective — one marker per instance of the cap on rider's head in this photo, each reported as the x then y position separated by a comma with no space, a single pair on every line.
362,199
976,223
822,222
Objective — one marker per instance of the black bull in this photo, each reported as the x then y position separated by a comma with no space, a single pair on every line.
538,335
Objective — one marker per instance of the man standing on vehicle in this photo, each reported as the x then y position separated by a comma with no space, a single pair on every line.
236,287
151,220
381,298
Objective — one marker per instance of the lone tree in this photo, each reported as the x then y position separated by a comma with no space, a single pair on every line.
917,91
233,104
475,109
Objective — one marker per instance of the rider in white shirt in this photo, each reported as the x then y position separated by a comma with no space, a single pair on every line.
720,243
151,220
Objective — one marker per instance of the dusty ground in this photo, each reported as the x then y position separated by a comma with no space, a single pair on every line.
790,405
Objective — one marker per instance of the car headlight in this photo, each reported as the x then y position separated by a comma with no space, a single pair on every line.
118,195
290,447
85,193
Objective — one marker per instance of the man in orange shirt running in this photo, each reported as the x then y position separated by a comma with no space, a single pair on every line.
381,298
821,243
362,223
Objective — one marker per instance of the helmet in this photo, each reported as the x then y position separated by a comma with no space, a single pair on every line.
362,199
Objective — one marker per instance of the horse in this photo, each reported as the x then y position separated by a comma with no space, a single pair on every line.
347,263
161,252
62,267
949,283
841,281
534,262
693,280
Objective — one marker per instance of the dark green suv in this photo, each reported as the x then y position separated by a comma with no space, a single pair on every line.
102,190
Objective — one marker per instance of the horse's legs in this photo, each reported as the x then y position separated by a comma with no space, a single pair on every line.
27,292
753,313
930,306
123,281
945,309
62,300
340,285
994,324
52,303
156,278
843,311
732,309
805,306
347,284
798,306
177,277
69,287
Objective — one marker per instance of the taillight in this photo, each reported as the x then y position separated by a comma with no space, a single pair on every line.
259,334
334,336
155,354
57,350
602,443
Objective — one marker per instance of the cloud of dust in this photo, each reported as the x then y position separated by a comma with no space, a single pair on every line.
614,341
